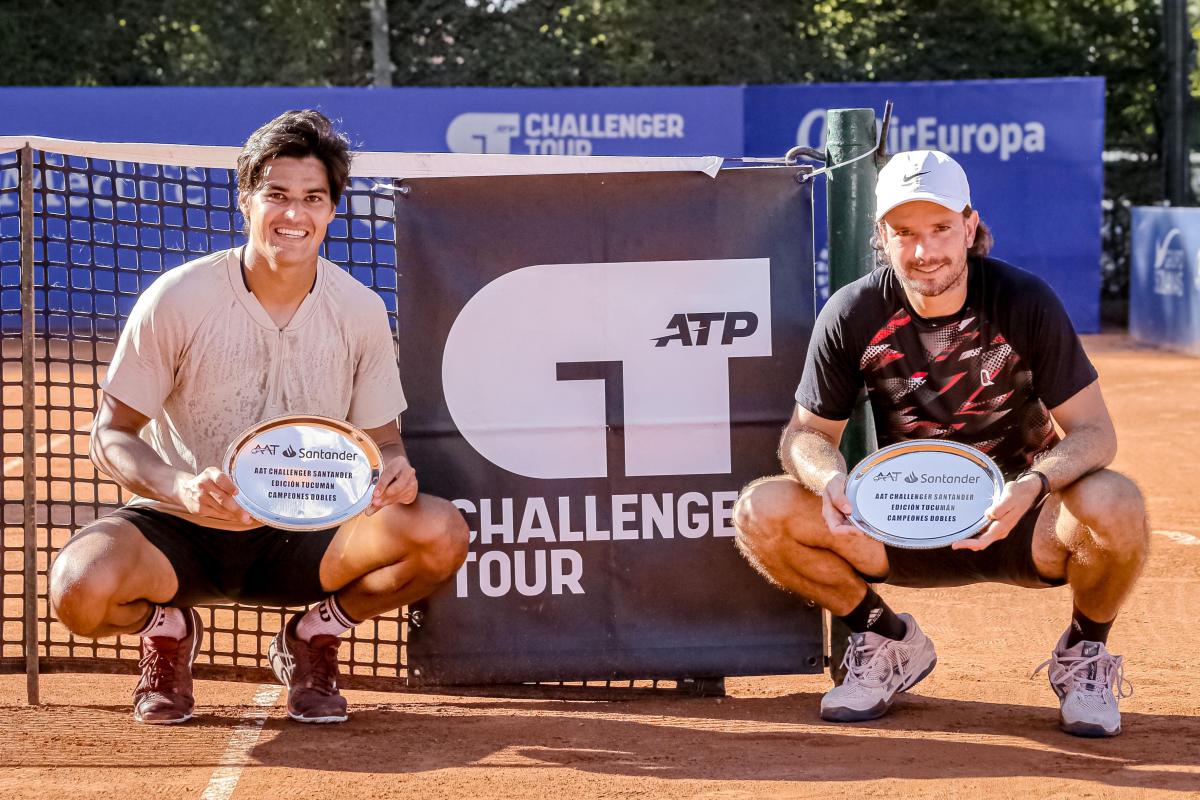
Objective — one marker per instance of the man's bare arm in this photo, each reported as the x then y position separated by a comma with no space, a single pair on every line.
398,480
389,441
118,451
1089,444
808,449
809,453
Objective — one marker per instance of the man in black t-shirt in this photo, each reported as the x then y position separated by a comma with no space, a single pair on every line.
951,344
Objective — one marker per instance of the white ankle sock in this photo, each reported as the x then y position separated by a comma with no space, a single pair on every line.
165,621
326,618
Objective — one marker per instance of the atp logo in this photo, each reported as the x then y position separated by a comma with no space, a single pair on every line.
483,133
564,351
734,325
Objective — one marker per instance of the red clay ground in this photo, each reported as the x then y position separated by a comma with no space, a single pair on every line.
978,726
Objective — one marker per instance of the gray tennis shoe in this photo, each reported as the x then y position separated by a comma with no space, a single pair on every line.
1089,682
877,669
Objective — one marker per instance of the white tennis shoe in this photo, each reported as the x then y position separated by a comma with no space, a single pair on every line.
1089,682
877,669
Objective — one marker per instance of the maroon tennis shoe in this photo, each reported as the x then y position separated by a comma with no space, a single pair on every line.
309,670
164,694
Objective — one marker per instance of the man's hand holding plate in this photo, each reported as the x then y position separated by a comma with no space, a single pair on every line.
836,507
211,494
1018,497
397,484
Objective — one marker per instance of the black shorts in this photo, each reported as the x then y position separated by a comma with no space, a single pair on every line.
1009,560
261,566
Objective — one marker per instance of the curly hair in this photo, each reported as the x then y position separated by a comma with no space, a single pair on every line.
296,134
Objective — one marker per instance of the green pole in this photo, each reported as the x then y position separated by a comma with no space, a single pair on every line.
850,196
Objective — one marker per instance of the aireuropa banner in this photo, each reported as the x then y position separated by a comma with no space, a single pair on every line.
1031,150
595,365
1164,280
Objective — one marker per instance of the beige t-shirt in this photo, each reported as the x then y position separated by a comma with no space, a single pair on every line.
203,360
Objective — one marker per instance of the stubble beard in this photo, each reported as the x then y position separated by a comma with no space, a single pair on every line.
933,287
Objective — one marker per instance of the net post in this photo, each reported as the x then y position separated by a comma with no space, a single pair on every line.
28,431
850,201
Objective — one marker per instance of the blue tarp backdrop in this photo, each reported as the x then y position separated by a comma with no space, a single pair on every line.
1032,148
1164,280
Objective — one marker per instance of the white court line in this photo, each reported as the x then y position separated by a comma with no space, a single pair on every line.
1179,537
225,777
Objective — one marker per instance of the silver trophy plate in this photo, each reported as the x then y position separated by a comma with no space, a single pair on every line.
923,494
303,473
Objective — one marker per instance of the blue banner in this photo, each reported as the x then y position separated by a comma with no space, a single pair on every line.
1164,280
1031,150
655,121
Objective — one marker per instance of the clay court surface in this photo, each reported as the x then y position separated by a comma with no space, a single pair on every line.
978,726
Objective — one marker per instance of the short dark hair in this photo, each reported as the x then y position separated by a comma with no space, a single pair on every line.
979,248
296,134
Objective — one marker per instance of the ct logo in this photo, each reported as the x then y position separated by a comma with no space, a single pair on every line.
482,133
538,359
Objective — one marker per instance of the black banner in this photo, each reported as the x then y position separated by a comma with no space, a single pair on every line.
595,365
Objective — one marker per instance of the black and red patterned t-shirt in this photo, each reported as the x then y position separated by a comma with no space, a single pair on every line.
986,376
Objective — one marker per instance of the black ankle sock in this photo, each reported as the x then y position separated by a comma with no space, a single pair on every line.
1086,630
873,615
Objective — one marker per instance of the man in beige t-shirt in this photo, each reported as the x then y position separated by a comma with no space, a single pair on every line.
213,347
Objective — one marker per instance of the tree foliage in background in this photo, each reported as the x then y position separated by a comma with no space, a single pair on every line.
594,43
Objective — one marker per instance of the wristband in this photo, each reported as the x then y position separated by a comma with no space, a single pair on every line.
1045,490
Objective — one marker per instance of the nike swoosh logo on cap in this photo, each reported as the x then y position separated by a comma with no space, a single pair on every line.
915,175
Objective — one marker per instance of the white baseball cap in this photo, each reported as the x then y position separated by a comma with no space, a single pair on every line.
921,175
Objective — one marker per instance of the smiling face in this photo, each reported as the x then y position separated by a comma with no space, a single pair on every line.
926,244
289,211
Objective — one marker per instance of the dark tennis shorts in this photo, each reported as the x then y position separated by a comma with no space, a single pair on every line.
261,566
1009,560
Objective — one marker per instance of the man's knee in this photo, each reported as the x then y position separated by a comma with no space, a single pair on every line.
1113,509
106,564
79,596
437,540
763,510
